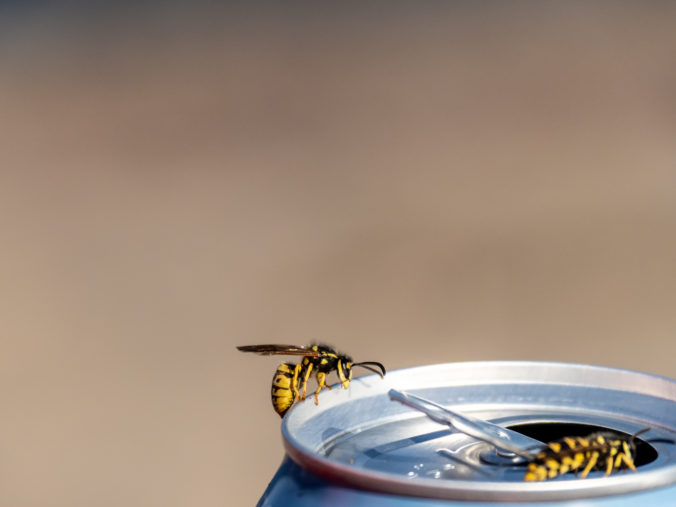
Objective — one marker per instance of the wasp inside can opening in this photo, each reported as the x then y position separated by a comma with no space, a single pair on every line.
549,432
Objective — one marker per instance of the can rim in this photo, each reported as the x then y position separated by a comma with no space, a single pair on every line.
478,372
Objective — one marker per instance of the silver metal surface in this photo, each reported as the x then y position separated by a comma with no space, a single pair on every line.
499,436
360,438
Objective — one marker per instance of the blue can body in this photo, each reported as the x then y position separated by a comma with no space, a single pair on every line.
293,485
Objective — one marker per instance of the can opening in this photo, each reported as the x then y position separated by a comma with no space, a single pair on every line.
550,431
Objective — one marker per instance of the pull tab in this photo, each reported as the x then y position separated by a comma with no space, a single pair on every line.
502,438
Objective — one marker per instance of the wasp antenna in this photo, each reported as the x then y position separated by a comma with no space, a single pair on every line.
639,432
374,363
653,440
371,369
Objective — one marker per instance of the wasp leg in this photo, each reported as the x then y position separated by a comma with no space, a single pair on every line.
626,457
305,379
321,380
609,466
592,461
576,463
618,461
294,382
628,461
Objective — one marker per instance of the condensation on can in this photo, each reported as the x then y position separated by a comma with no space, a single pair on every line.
358,447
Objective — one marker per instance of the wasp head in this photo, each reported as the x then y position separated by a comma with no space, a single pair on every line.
345,366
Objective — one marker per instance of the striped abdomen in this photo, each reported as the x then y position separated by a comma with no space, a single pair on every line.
282,388
595,452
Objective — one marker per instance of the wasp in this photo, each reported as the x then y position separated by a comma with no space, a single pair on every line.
605,450
289,384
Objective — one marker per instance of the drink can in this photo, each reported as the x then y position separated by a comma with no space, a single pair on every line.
358,447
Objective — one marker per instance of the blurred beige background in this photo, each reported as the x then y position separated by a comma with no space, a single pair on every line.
414,184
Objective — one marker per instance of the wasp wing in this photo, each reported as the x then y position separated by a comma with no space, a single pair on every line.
276,349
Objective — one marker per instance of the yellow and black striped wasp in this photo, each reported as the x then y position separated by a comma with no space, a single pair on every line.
606,450
289,383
